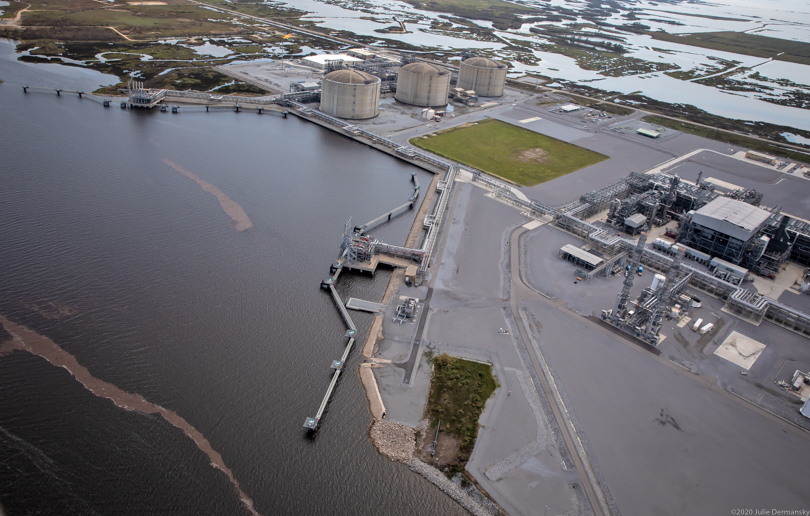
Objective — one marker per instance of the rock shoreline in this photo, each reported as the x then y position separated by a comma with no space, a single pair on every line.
398,443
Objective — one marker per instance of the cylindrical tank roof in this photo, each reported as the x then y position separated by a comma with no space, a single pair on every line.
483,62
347,76
350,94
423,68
485,76
422,84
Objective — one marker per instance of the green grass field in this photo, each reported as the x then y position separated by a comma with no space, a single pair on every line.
743,43
459,390
510,152
734,139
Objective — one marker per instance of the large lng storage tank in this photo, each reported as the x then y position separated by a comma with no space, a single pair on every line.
423,84
350,94
483,75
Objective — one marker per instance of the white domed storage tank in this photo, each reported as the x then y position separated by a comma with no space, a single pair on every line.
483,75
350,94
423,84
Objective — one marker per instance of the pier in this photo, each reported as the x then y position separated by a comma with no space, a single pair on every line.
364,253
311,423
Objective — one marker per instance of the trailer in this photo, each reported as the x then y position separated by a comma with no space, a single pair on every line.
706,329
696,326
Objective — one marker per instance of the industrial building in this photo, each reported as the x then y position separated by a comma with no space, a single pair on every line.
361,53
484,76
570,108
762,158
727,229
648,133
321,61
350,94
423,84
635,224
580,257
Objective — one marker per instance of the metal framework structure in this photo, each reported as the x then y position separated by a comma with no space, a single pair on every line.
745,253
330,65
140,97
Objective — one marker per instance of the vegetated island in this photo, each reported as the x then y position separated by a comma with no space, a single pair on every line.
459,390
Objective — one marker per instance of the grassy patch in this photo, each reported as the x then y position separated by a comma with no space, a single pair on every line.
603,106
513,153
743,43
502,14
152,20
459,390
707,16
734,139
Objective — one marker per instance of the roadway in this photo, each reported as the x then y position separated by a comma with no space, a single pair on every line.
519,291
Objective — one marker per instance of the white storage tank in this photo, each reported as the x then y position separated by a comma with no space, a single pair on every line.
350,94
658,281
423,84
483,75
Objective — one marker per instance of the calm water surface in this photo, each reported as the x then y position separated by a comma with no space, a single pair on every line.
136,271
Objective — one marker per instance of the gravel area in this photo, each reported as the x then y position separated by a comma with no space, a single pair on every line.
395,441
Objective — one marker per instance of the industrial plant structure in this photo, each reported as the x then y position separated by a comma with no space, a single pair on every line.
423,84
727,229
350,94
484,76
729,236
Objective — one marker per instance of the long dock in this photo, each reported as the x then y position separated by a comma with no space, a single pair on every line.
311,423
399,210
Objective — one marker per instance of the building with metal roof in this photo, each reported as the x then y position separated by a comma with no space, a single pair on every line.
580,257
648,133
735,218
319,61
727,229
635,223
762,158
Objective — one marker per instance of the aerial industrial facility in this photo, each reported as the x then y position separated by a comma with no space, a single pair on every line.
727,236
354,82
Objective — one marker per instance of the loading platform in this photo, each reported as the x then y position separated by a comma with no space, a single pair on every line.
364,306
371,265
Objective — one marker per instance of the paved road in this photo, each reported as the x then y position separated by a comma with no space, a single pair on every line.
518,292
409,364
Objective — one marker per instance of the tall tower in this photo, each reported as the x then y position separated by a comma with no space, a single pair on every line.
663,301
620,309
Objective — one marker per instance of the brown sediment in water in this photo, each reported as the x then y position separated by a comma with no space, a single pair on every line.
229,206
25,339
